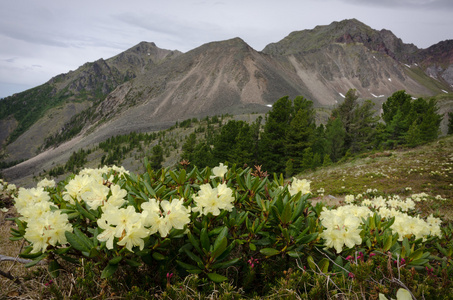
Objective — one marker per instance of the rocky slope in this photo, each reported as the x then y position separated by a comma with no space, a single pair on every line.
147,88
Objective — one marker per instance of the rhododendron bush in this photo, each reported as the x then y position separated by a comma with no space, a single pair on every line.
206,221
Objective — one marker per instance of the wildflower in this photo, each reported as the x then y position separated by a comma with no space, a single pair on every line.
297,185
219,171
162,218
48,229
95,194
46,183
349,199
76,187
212,200
252,261
117,195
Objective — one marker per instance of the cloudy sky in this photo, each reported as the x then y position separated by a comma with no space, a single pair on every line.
43,38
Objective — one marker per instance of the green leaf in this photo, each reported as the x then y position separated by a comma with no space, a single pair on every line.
216,277
188,267
36,261
220,248
252,246
193,257
204,239
84,212
219,240
76,242
337,267
194,242
158,256
388,242
54,269
226,264
116,260
419,262
269,251
149,188
416,254
133,263
311,263
308,238
324,265
287,213
406,248
109,271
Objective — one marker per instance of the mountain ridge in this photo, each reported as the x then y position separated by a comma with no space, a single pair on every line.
145,87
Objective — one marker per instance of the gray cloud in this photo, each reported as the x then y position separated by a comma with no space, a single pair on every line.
409,4
40,39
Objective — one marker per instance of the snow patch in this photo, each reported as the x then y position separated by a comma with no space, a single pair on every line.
416,64
342,95
380,96
269,105
445,91
390,79
407,65
413,98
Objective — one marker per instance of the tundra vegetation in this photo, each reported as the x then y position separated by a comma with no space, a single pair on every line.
367,224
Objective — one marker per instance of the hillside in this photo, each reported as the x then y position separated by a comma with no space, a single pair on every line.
147,88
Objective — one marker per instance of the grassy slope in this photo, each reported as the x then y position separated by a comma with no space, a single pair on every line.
427,169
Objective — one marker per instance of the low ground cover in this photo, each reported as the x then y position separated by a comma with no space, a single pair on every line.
376,225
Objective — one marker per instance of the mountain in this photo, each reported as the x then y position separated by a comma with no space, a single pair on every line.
147,88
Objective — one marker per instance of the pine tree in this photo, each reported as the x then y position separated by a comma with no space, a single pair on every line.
157,157
335,135
363,127
272,144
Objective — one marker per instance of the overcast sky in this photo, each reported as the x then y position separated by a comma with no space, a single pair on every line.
40,39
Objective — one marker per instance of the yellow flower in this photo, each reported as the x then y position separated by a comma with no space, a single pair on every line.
297,185
48,229
219,171
212,200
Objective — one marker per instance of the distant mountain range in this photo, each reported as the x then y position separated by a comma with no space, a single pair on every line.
147,88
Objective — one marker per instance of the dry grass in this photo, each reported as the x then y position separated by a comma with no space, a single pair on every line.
32,280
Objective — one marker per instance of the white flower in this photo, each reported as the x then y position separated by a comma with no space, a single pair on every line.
219,171
212,200
95,194
349,199
297,185
48,229
46,183
117,196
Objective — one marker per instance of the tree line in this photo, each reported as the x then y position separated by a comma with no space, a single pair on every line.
289,141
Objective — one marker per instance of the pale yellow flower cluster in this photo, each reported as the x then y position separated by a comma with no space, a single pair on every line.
343,226
122,223
88,186
46,183
212,200
44,226
47,229
299,185
131,227
349,199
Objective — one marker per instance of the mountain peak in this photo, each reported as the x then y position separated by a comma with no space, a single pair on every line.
343,32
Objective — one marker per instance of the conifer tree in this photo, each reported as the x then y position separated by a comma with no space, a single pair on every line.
272,145
157,157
